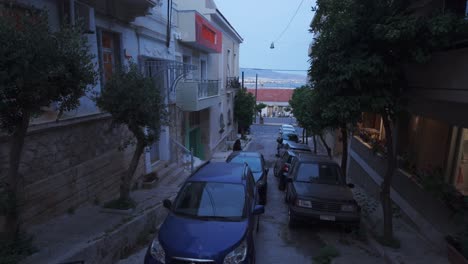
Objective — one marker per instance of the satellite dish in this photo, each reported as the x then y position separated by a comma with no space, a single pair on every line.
272,46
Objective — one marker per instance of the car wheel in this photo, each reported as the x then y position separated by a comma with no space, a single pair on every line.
281,185
291,221
258,224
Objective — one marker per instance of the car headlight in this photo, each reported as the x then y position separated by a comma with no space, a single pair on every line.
157,251
303,203
237,255
348,208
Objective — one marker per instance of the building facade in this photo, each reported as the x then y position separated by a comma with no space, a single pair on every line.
74,159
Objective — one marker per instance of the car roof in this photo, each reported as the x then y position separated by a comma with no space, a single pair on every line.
314,158
294,145
219,172
245,154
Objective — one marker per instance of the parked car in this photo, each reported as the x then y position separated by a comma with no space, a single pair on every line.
290,145
257,164
213,219
316,191
284,138
283,163
287,129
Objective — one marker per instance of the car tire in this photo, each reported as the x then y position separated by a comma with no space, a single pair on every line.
281,185
292,223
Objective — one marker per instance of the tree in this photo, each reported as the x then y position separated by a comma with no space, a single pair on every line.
135,101
38,67
358,59
244,109
259,107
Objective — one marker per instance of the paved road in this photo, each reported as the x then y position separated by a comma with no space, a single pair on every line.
276,243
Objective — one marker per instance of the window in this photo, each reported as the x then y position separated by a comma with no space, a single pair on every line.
194,119
255,163
109,57
211,199
318,173
250,184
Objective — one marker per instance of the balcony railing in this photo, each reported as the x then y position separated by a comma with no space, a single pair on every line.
197,95
233,82
208,88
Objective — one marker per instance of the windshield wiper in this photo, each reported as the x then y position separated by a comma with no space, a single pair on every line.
226,218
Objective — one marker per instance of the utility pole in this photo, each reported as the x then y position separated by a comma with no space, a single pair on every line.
242,80
256,82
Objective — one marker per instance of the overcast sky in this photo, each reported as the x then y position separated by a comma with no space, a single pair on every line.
260,22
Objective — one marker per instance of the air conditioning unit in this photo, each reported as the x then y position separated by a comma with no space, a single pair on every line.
76,12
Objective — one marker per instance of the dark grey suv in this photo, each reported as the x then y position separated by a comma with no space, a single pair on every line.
316,191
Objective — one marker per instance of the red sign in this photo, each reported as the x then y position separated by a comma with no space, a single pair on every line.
207,35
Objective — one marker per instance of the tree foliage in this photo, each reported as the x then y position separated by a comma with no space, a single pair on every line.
134,100
38,67
244,109
358,57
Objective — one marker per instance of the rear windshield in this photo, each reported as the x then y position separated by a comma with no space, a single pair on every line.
291,137
319,173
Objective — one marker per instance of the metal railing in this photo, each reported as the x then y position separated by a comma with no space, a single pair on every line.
208,88
184,156
233,82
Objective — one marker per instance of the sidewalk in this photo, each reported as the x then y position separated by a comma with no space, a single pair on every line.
89,235
221,156
414,248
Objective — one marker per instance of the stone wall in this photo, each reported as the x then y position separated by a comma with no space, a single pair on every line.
68,164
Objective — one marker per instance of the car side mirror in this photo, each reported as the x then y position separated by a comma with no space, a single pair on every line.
289,179
167,203
259,209
350,185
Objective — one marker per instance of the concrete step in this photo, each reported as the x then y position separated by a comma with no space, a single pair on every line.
164,172
158,165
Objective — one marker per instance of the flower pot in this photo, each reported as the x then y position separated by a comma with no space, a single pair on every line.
454,256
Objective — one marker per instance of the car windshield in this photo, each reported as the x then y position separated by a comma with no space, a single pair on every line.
291,137
211,200
254,163
319,173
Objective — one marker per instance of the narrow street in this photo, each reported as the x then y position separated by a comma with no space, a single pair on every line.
276,243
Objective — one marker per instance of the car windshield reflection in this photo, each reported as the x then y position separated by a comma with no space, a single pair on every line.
319,173
211,200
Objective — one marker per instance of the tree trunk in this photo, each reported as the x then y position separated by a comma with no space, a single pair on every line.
325,145
126,180
387,182
344,156
315,144
303,137
12,225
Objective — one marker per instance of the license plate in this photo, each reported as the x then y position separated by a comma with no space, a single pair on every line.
327,217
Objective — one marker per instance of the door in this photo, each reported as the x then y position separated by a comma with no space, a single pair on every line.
195,143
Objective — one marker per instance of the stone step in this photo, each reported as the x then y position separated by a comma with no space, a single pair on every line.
164,172
158,165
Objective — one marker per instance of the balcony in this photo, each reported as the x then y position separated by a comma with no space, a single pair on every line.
197,32
197,95
125,10
232,83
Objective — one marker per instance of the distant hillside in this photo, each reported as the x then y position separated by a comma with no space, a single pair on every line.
272,79
269,74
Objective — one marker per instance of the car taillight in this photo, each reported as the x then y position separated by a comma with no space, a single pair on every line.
286,168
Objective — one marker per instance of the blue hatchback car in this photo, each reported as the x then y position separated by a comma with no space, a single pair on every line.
213,219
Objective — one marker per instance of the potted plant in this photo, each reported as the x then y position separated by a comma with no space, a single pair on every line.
150,180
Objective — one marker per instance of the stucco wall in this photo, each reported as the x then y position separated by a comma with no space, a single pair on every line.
69,164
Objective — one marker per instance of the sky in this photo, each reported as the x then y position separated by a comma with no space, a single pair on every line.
260,22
